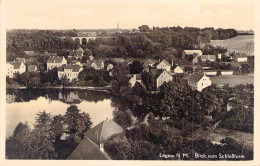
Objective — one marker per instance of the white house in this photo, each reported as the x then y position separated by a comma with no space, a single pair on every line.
110,66
190,52
134,79
164,65
198,81
178,69
9,70
159,77
97,64
69,72
226,72
56,62
15,67
210,72
240,57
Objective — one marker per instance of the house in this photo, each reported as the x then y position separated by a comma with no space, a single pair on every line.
160,76
92,146
15,67
20,60
10,98
164,65
9,70
219,56
211,58
70,72
210,72
56,62
80,52
97,64
198,81
178,70
240,57
134,79
32,68
110,66
190,52
226,72
29,53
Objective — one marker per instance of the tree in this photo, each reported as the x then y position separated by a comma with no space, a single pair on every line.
124,119
57,127
77,123
144,28
136,67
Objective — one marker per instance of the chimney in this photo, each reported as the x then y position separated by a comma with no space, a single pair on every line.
101,146
172,62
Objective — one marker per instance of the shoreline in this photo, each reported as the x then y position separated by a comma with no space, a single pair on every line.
100,89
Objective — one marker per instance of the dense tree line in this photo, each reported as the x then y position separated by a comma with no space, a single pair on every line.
44,141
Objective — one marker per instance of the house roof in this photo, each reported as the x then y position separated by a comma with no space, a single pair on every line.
103,131
192,51
20,60
31,68
16,65
55,60
240,55
75,68
164,61
208,57
156,73
88,150
194,77
97,62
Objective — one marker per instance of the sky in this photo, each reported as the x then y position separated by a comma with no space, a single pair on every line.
86,14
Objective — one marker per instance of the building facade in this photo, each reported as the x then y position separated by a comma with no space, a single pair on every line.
69,72
164,65
56,62
198,81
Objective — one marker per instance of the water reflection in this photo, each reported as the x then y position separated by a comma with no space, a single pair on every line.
22,105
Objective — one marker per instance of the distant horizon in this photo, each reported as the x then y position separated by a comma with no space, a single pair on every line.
55,14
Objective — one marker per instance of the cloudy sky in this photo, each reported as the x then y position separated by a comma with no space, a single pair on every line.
86,14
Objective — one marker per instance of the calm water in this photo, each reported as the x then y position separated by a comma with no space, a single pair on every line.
22,105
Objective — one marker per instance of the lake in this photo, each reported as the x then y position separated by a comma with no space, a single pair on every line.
22,105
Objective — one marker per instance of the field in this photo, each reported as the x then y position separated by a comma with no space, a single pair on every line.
241,43
232,80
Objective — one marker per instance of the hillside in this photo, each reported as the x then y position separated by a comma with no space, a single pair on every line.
241,43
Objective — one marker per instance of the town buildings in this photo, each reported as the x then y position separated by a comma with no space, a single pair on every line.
240,57
97,64
198,81
210,72
190,52
134,79
15,67
55,62
164,65
178,70
92,146
69,72
210,58
159,77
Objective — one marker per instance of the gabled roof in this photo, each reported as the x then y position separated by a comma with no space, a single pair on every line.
165,62
194,77
31,68
16,65
88,150
103,131
157,72
55,60
75,68
97,62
